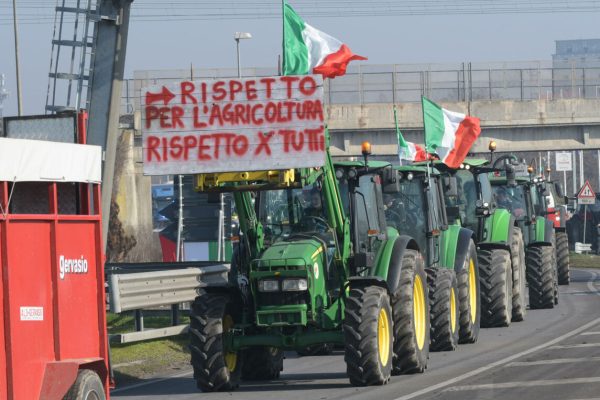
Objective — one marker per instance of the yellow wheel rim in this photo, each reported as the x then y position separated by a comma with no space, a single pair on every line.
383,336
419,311
452,310
472,290
230,357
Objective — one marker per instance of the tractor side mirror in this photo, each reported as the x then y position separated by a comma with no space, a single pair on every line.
482,209
391,181
558,189
511,176
450,186
453,213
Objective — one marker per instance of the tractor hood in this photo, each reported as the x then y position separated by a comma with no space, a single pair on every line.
293,254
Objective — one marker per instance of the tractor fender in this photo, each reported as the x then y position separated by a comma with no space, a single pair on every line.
502,226
548,231
401,244
544,229
371,280
462,248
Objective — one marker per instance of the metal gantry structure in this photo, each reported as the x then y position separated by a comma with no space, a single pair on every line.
72,55
3,94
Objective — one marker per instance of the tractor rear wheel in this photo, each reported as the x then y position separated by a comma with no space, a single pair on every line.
540,276
519,296
368,334
443,297
469,298
496,287
215,367
262,363
562,257
411,317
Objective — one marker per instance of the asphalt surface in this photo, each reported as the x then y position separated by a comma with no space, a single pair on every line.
553,354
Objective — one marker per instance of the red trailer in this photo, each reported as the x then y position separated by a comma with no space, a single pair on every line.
51,257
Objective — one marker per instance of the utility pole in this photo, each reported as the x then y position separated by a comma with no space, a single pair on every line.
17,66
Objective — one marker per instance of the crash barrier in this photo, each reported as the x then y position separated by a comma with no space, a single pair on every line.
149,285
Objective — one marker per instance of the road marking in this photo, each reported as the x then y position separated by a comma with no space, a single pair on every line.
152,382
499,362
554,361
575,346
512,385
589,333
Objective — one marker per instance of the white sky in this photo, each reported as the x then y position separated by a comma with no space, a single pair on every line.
384,40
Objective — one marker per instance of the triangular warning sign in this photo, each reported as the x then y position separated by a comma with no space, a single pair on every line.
586,191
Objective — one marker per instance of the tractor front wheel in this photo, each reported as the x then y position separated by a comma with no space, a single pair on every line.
469,297
216,368
519,297
540,276
443,297
562,257
368,334
411,317
262,363
496,287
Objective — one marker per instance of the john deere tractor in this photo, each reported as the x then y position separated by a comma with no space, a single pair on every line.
517,191
417,210
316,264
499,240
557,213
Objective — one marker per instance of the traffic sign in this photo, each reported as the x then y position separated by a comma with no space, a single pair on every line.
586,194
564,161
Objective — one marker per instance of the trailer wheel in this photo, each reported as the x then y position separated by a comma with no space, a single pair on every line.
215,368
410,305
519,297
562,256
324,349
443,297
262,363
87,386
496,287
540,276
368,334
469,298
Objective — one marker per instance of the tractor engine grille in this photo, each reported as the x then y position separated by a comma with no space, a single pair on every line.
282,298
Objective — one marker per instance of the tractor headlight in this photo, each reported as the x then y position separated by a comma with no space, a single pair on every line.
268,285
294,285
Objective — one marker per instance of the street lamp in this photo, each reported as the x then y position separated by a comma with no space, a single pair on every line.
240,36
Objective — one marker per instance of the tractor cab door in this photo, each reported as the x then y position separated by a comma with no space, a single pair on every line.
436,219
368,226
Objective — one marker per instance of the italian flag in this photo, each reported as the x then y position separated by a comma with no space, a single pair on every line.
307,50
448,134
410,151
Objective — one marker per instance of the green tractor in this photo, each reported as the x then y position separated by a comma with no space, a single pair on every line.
499,240
557,212
516,190
316,264
417,210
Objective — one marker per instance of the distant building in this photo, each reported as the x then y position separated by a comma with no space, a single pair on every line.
579,53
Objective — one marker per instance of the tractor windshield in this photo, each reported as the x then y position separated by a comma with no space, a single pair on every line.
512,199
287,212
405,210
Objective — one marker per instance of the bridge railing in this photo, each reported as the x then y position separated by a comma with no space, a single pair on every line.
367,84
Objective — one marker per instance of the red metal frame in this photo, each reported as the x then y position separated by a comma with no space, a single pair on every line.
42,356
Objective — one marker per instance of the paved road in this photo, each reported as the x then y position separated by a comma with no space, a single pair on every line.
553,354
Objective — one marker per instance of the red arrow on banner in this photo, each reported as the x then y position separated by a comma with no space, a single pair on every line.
165,96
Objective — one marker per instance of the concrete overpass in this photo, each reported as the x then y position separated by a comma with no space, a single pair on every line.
534,125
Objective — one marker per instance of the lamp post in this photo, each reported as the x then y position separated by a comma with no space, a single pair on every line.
237,37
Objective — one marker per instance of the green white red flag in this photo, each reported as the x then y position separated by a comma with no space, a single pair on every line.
448,134
307,50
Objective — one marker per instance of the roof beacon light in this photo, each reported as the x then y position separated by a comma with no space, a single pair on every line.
365,148
492,146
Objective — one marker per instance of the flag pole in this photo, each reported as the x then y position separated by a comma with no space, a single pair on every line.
428,159
283,37
397,133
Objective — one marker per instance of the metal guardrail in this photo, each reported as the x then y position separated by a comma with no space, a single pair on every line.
134,291
405,83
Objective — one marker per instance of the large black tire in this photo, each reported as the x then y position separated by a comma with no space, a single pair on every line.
368,322
540,276
562,258
519,295
262,363
324,349
443,298
554,269
215,369
411,324
86,385
495,276
469,298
